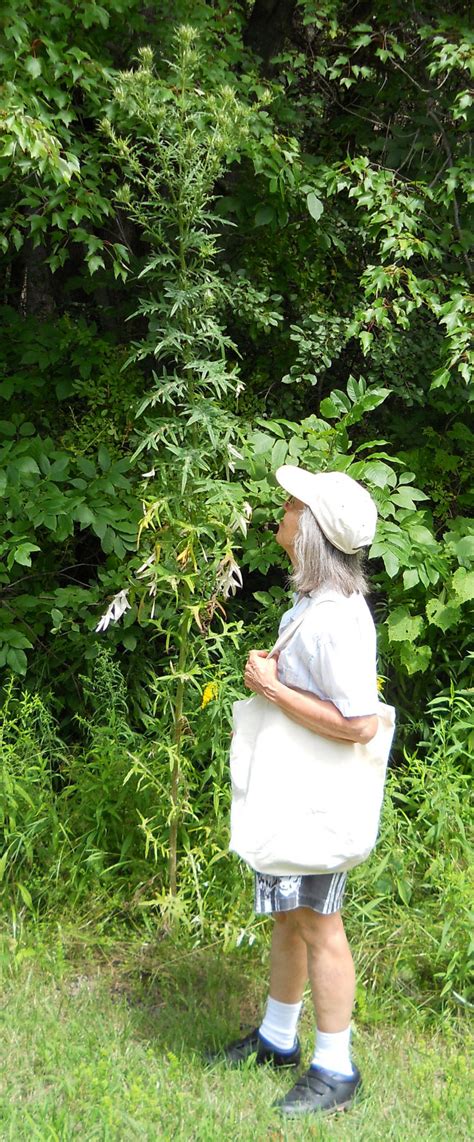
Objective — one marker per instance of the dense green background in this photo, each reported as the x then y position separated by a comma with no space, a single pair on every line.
271,261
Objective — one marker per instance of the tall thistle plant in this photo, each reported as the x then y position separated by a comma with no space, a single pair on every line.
173,142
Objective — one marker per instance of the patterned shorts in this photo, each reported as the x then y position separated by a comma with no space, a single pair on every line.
322,892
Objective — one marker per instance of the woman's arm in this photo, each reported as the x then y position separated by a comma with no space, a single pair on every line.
305,708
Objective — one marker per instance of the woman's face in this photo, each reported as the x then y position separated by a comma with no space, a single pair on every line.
288,528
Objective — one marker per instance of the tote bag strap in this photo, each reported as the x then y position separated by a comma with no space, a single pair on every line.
289,631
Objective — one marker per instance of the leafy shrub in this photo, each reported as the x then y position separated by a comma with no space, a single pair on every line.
414,933
99,810
33,842
70,511
92,828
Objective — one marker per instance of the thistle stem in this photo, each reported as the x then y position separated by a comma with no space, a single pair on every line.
176,770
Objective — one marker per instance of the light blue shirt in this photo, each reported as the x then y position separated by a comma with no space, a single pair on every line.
333,654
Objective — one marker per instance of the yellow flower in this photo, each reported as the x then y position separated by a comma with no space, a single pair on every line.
380,683
210,692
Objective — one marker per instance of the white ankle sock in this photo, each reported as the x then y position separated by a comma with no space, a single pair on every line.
279,1024
332,1051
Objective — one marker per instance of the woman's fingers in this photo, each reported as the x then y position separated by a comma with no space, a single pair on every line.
260,670
257,654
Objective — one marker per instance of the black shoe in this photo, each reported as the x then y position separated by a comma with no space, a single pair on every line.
319,1090
237,1053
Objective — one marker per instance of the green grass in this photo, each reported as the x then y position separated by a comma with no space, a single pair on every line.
109,1047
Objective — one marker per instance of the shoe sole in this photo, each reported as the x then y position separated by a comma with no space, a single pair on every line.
251,1061
294,1113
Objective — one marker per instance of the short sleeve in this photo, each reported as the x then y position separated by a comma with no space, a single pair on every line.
348,670
334,655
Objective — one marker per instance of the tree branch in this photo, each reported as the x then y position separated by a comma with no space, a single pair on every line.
449,155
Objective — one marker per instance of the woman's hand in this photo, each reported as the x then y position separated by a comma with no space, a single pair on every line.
303,707
261,671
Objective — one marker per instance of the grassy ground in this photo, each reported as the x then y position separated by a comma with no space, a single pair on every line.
110,1048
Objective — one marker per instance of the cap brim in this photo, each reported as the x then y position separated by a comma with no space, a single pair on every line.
293,480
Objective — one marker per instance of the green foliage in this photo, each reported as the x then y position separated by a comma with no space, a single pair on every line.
409,563
93,820
53,86
212,266
105,811
92,825
70,514
33,843
380,148
419,882
173,142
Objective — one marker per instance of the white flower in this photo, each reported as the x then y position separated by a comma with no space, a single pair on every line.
148,562
148,475
241,520
234,454
229,577
117,608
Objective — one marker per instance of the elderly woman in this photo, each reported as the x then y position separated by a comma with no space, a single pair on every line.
325,679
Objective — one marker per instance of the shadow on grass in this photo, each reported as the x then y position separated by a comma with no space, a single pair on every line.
186,1002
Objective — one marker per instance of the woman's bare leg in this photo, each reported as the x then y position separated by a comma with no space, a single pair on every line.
289,960
307,943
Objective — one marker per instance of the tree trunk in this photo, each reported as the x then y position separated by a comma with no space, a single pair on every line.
37,297
267,28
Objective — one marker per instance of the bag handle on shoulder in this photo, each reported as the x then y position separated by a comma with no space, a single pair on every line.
285,636
289,631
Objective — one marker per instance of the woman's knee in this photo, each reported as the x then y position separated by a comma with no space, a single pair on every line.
286,921
315,928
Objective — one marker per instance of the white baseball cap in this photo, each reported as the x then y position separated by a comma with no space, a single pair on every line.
345,511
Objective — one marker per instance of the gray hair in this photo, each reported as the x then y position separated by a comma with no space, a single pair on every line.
319,564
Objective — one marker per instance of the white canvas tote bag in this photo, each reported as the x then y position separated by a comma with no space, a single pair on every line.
302,803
